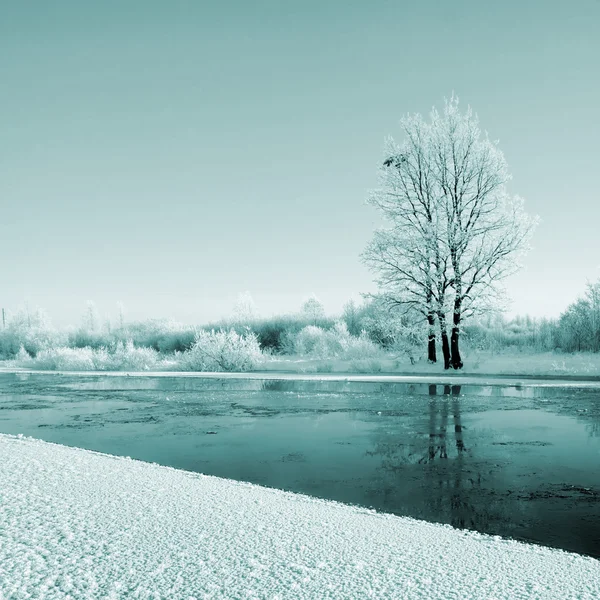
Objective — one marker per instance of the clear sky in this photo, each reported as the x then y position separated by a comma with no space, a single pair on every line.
170,155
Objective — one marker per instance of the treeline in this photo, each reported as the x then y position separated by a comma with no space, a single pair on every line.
576,330
360,328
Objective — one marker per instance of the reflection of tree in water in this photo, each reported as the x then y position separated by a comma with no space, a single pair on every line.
437,437
594,429
445,483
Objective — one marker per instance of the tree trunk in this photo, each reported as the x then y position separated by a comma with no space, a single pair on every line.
444,336
446,349
431,352
456,359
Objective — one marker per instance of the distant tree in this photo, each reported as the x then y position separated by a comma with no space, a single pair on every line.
455,231
592,296
351,315
579,324
313,309
91,318
575,326
121,310
31,329
244,311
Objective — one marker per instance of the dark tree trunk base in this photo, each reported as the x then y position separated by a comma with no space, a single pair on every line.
456,359
431,351
446,350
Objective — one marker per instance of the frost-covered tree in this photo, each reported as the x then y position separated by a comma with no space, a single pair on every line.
121,310
30,329
91,317
313,309
410,265
454,232
351,315
487,229
244,310
409,257
579,324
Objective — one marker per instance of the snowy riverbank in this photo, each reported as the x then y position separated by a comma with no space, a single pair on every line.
78,524
547,365
451,378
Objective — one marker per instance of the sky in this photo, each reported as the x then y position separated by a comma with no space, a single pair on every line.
170,155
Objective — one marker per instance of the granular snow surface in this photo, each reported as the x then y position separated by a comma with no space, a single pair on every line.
79,524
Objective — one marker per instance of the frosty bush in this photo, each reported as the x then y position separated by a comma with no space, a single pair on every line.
30,330
122,357
59,359
22,355
222,351
352,347
312,341
127,357
162,335
334,343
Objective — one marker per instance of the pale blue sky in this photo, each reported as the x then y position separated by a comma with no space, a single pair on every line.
173,154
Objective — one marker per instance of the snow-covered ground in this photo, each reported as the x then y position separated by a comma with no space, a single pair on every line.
78,524
580,365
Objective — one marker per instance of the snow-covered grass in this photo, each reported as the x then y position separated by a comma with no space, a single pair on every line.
535,363
230,351
78,524
477,362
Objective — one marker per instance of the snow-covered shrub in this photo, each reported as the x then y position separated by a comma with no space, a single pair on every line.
312,341
350,347
122,357
60,359
126,357
334,343
22,355
163,335
222,351
31,330
90,339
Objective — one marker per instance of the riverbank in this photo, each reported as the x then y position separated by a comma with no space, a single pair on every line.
88,525
477,362
516,365
444,378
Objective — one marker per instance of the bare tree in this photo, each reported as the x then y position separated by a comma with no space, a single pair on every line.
91,318
486,228
244,311
313,309
455,231
409,258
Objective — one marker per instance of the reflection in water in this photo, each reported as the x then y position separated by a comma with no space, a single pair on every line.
508,460
455,490
454,487
437,437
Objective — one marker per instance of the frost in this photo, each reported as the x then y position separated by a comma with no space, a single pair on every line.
138,530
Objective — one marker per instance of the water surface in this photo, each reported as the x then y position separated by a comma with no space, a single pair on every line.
514,460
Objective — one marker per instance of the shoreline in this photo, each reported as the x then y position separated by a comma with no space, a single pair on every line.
85,524
505,380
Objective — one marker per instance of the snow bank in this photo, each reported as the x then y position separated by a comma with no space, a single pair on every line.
78,524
